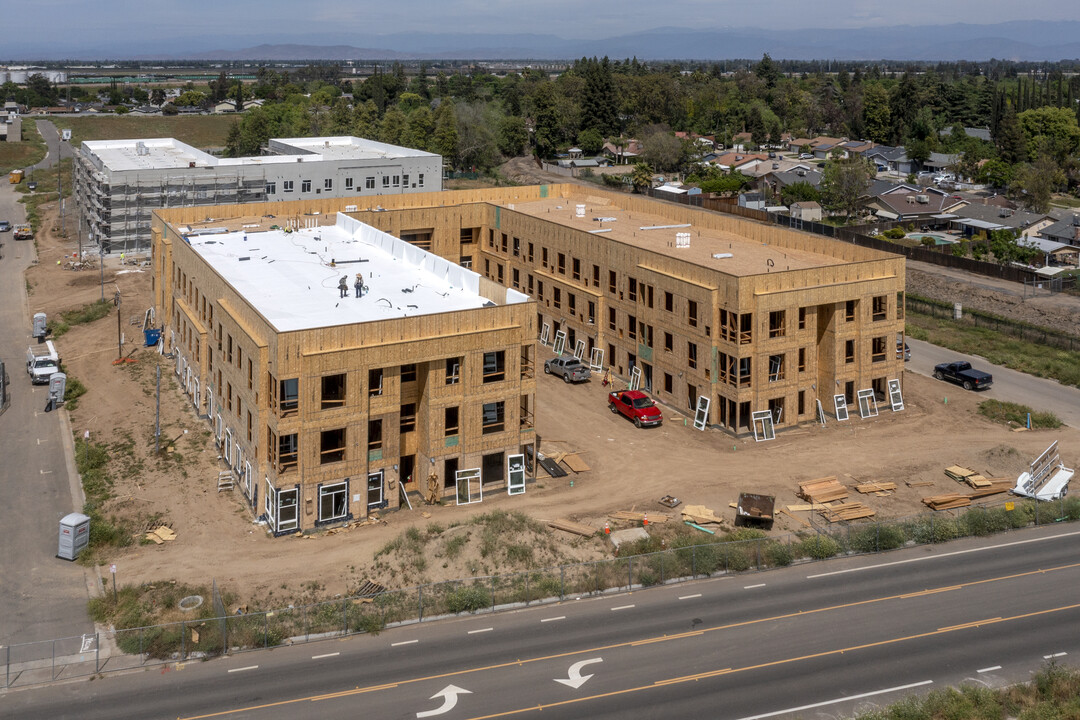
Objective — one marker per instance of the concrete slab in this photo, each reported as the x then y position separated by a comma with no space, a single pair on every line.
628,536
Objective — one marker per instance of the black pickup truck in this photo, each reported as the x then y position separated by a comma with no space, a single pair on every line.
961,373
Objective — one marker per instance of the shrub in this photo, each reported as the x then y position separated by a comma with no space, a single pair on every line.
468,599
779,554
820,547
895,233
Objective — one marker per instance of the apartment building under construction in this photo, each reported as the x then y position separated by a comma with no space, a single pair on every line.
321,396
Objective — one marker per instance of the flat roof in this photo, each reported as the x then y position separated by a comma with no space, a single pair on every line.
657,233
289,279
170,153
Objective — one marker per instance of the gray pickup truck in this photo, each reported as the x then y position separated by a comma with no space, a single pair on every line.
961,373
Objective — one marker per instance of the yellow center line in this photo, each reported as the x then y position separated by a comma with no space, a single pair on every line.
924,593
631,643
773,663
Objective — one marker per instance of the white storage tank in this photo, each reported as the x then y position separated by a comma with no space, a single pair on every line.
74,535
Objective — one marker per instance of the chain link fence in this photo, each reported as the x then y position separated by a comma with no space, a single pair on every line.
122,649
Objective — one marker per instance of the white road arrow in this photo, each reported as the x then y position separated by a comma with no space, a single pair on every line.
576,679
449,695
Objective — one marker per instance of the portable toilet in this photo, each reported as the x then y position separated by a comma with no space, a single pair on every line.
41,328
74,535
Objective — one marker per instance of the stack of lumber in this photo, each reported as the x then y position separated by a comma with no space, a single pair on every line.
822,490
656,517
879,488
846,511
918,483
700,515
995,487
572,527
948,501
960,474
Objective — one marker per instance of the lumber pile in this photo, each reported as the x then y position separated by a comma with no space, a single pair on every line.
161,534
637,517
822,490
838,512
700,515
572,527
970,477
878,488
948,501
996,486
575,463
919,483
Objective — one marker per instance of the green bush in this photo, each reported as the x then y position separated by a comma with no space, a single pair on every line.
820,547
1017,414
468,599
895,233
779,554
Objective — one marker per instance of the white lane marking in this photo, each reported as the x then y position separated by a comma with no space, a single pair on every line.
622,607
751,587
473,632
249,667
942,555
838,700
553,619
404,642
690,597
989,669
320,657
1050,657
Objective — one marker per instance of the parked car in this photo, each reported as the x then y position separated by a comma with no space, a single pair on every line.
5,226
806,156
635,405
903,351
571,369
961,373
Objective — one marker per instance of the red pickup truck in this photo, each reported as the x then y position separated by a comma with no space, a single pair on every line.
635,405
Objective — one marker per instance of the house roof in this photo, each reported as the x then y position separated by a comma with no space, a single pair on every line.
942,159
1047,246
892,154
1067,229
904,200
1016,219
981,133
806,205
738,159
790,177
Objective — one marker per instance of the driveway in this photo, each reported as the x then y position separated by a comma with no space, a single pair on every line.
1039,394
42,597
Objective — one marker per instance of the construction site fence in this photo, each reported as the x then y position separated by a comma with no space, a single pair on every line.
976,318
207,637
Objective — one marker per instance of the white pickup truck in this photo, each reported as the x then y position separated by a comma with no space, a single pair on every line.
41,363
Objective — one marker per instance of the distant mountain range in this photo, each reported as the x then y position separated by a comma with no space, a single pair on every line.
1027,41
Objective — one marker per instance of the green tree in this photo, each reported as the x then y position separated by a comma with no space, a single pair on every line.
1033,185
767,71
512,136
545,114
157,97
392,126
418,128
590,141
365,119
1010,142
641,176
1051,130
477,148
445,140
599,104
844,183
799,192
661,149
995,173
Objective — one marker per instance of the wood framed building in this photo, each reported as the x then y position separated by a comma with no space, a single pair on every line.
327,404
751,316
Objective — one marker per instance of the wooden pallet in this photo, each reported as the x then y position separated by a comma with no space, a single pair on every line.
958,473
948,501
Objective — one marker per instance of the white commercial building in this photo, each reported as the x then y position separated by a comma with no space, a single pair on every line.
118,183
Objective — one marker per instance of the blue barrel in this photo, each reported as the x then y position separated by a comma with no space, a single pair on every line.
153,336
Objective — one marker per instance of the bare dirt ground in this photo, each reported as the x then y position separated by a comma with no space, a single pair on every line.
630,468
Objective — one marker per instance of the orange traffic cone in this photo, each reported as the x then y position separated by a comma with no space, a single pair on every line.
645,522
607,529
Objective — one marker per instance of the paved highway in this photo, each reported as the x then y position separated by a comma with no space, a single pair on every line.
1009,385
831,638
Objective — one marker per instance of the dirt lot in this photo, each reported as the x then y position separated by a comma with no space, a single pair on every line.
630,468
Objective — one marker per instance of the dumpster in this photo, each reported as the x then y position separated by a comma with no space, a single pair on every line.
753,509
153,336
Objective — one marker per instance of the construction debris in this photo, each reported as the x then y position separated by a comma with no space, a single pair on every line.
700,515
160,535
575,463
822,490
919,483
796,517
632,516
669,501
572,527
949,501
958,473
369,589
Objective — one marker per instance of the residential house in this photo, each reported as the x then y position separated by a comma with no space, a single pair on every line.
623,154
1001,217
904,202
1064,231
737,161
893,159
941,161
752,200
1053,254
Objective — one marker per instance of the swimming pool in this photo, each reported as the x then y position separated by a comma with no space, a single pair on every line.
938,239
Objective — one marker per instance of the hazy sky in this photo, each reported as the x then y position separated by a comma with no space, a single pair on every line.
129,23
